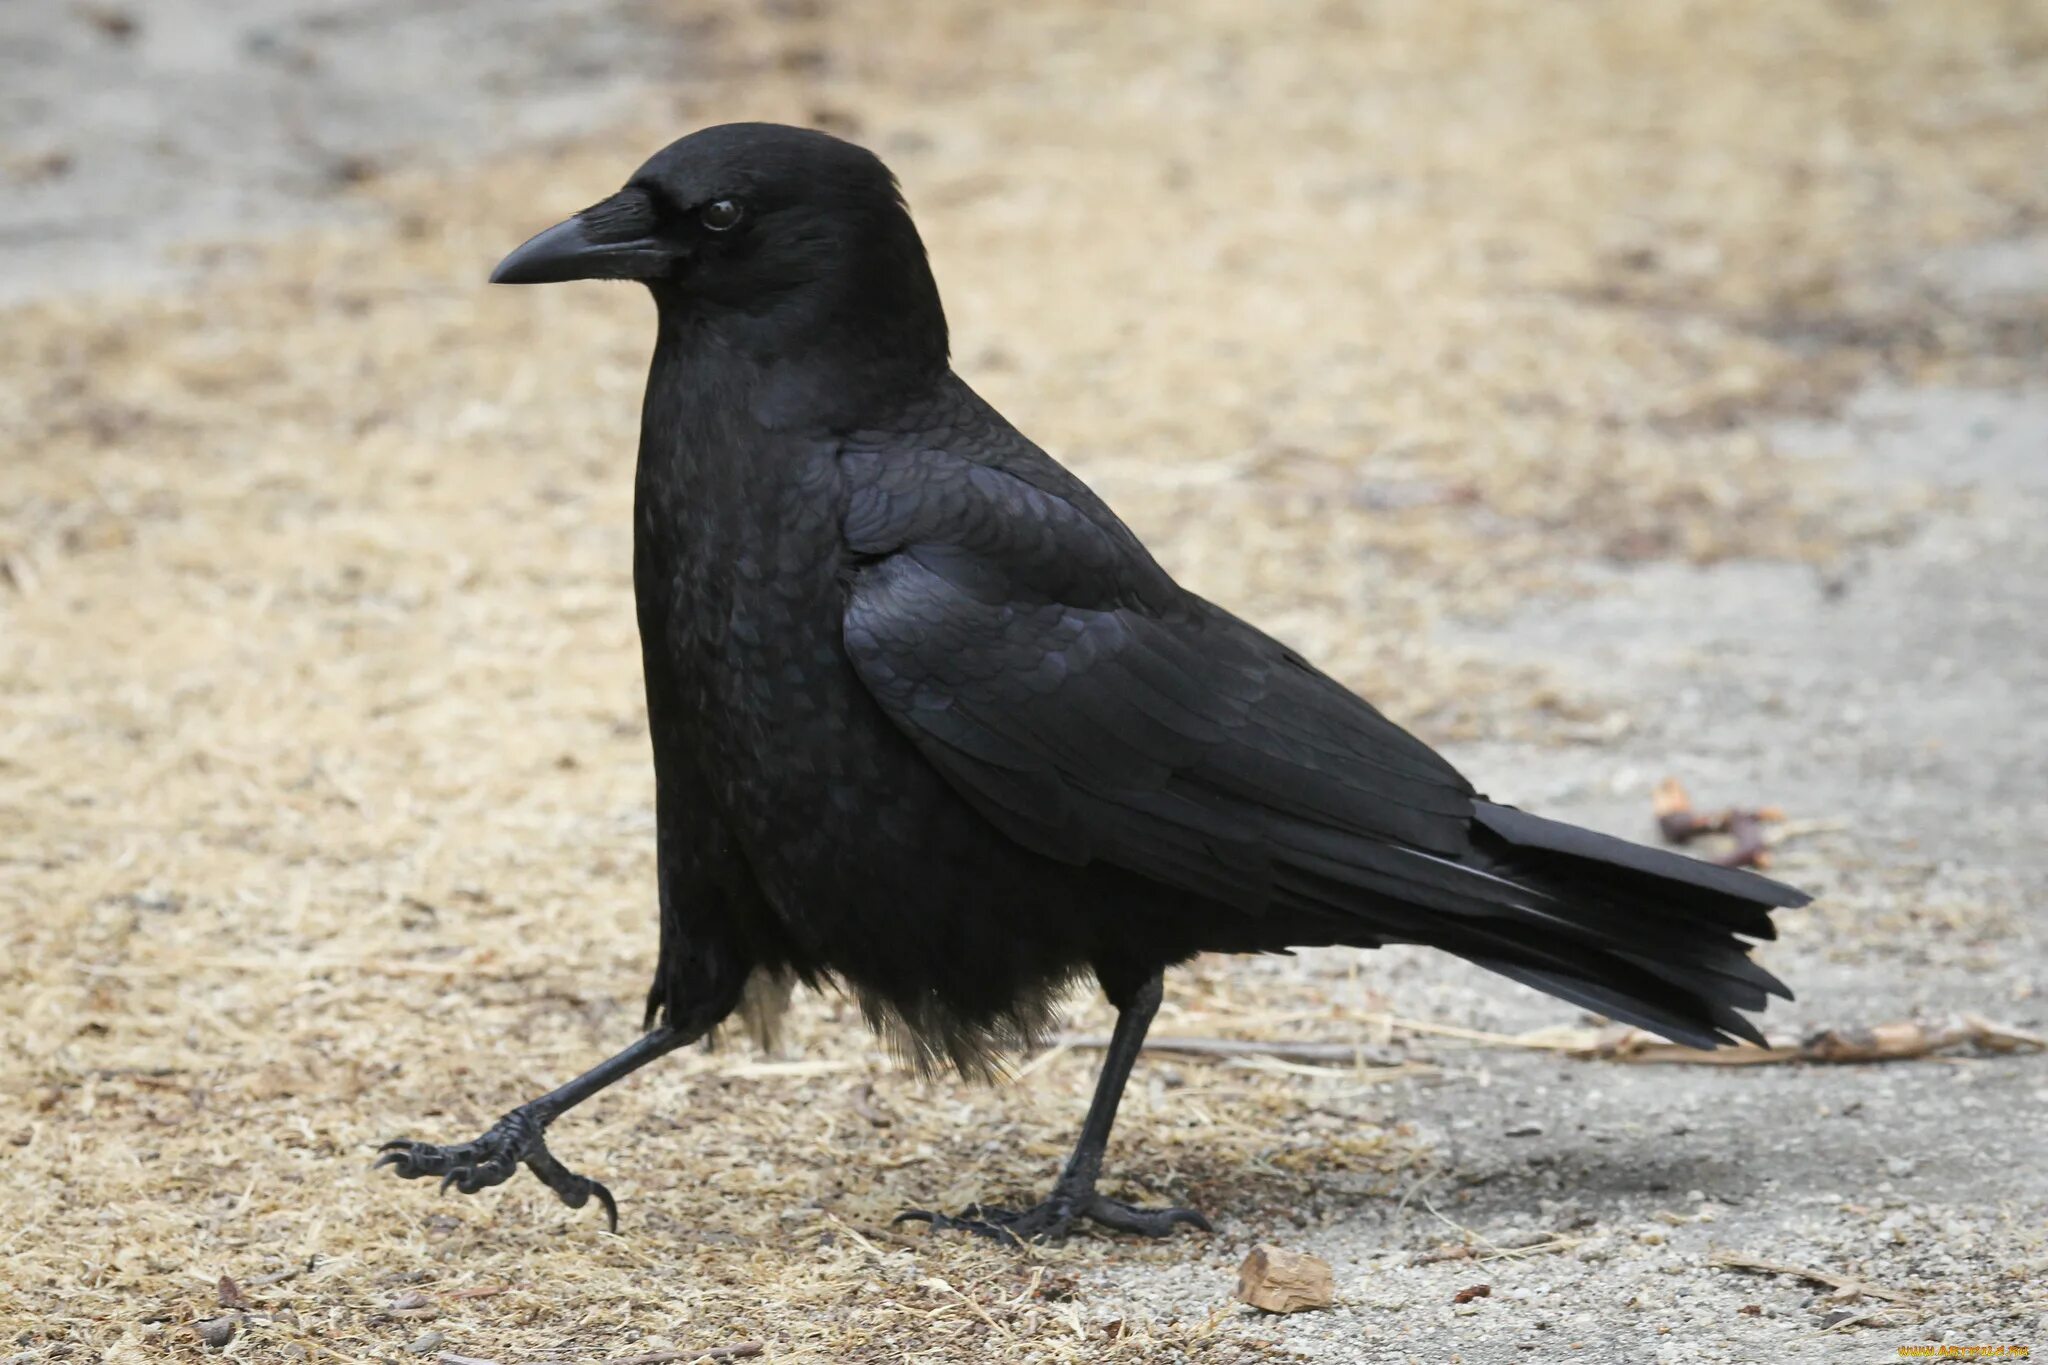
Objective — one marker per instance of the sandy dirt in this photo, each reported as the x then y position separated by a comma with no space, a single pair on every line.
1610,393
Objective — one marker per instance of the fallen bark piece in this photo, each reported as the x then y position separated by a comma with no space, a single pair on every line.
1277,1280
1471,1292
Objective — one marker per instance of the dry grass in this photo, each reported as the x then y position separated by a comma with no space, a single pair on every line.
324,806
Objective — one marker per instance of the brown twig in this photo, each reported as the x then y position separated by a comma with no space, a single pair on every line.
1239,1047
1902,1041
1876,1317
736,1351
1844,1286
1897,1041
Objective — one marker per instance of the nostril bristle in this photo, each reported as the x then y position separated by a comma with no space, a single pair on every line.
626,216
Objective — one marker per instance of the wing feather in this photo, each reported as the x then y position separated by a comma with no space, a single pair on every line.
1174,746
1093,711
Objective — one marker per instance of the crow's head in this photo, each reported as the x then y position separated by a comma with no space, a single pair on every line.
777,236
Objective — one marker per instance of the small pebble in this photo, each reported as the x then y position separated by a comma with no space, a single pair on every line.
215,1332
427,1341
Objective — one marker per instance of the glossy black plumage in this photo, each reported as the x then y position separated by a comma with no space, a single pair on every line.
929,721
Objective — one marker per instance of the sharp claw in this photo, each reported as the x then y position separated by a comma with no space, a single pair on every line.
495,1158
611,1206
918,1216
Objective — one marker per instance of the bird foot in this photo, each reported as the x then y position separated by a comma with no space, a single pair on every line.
494,1158
1053,1219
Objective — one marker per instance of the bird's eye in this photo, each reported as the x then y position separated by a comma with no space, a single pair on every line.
721,215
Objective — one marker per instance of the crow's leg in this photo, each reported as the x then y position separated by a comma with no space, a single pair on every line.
493,1158
1073,1194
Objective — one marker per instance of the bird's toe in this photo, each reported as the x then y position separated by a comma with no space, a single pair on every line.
1052,1220
571,1188
992,1221
1119,1216
417,1160
466,1166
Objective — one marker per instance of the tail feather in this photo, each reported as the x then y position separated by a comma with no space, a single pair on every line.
1744,897
1642,935
1709,1026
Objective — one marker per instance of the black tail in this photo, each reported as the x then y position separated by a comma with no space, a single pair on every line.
1639,934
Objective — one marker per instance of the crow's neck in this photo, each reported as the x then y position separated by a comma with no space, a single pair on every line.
832,356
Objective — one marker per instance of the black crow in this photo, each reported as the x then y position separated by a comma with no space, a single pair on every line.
930,723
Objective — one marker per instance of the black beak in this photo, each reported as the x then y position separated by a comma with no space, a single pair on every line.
614,240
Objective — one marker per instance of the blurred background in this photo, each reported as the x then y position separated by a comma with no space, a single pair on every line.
1610,392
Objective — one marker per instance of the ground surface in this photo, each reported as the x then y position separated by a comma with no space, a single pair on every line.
1611,392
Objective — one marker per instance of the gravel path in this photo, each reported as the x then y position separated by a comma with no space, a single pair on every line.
1891,693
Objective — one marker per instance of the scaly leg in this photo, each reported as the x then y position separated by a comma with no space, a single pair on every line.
518,1137
1073,1194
